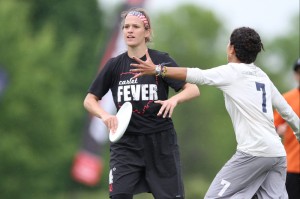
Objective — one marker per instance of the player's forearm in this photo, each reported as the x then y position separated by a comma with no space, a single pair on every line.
92,106
188,92
189,75
178,73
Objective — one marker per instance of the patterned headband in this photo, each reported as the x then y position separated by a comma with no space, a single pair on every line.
141,16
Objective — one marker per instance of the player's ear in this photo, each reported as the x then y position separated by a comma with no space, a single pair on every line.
147,35
231,49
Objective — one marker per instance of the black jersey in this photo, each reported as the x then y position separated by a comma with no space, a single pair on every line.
141,92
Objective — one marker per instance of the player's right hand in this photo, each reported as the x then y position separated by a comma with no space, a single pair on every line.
111,122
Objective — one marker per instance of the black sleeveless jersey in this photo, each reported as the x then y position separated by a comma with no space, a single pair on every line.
141,92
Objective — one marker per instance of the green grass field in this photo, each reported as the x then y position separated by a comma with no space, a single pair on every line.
195,187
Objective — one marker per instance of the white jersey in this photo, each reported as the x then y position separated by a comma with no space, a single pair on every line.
249,99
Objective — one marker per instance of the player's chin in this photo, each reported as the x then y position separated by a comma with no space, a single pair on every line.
132,44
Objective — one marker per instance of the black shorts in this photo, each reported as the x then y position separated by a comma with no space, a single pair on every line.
146,163
293,185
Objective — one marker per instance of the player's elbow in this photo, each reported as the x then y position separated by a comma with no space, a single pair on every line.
194,90
89,100
197,90
86,103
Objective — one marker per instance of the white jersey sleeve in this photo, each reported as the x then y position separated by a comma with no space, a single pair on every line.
217,76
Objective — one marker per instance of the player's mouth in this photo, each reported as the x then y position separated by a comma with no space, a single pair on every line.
130,37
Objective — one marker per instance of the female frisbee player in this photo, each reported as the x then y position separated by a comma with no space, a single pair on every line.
259,164
146,158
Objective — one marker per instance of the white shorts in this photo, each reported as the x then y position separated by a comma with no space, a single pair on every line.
245,175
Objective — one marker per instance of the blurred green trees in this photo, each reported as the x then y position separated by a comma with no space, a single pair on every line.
280,55
50,50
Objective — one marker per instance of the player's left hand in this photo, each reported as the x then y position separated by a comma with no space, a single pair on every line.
167,107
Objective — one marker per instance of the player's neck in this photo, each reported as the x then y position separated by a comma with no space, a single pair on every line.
138,51
235,60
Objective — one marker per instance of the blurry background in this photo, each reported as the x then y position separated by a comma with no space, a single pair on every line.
50,51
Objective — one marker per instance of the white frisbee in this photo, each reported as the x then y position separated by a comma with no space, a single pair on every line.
123,116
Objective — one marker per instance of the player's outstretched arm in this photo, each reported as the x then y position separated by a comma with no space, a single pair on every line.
149,68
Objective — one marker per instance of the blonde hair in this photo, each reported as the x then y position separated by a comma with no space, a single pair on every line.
147,25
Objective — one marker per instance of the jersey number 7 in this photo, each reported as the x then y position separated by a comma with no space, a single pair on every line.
261,86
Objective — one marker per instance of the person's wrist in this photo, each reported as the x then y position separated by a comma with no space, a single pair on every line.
158,70
164,71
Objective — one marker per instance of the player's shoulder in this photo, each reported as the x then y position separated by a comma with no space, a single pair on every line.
119,57
157,53
232,68
254,70
114,62
161,57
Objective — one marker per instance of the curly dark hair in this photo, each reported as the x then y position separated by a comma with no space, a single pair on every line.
246,43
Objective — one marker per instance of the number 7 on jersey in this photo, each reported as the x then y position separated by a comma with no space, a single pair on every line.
261,86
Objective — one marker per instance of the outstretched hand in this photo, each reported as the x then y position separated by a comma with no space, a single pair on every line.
143,67
167,107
